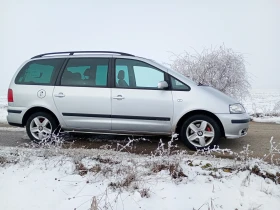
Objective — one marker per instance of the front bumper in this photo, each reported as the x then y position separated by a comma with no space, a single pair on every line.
235,125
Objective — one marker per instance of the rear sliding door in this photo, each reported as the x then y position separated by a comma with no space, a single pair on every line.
83,97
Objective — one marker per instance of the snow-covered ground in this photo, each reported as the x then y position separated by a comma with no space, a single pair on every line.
3,108
94,179
264,102
267,119
261,101
72,179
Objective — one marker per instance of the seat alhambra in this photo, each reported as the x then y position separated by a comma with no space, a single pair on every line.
118,93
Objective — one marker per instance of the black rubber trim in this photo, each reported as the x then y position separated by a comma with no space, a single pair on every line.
16,124
116,116
141,118
240,121
86,115
60,72
14,111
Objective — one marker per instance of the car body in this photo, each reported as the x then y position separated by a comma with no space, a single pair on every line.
113,92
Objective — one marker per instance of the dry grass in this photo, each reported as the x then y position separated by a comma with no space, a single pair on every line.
94,205
82,170
145,193
174,170
125,183
3,160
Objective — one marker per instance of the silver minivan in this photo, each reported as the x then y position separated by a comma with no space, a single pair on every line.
114,92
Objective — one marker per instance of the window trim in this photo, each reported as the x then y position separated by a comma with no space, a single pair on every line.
108,85
53,77
166,77
171,86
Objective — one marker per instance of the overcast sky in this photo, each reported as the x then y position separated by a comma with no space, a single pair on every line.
147,28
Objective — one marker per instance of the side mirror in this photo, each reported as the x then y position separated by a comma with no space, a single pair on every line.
162,85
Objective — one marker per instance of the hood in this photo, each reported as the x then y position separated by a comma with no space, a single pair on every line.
218,94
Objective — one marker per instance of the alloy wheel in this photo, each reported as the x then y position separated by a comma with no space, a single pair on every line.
40,128
200,133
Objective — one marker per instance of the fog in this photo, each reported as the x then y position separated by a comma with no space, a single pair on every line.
152,29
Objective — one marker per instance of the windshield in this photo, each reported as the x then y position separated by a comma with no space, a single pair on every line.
176,74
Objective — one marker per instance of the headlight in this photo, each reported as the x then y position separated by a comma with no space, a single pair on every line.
236,109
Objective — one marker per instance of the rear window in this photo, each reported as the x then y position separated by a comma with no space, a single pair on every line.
39,72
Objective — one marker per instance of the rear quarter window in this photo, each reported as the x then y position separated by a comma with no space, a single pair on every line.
39,72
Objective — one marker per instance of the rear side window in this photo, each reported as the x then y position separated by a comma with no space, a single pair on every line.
39,72
86,72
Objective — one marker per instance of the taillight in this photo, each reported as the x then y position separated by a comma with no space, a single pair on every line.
10,95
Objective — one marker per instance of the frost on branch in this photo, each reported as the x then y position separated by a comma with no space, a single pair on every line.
221,68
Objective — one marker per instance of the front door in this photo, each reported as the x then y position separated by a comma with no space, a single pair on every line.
137,103
83,97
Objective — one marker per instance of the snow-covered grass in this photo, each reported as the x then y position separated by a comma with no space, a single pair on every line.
104,179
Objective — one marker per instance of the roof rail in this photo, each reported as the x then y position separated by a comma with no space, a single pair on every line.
74,52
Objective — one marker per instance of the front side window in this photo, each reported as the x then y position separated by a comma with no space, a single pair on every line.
122,76
136,74
86,72
177,85
39,72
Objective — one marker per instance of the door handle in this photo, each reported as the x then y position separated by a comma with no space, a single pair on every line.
60,95
118,97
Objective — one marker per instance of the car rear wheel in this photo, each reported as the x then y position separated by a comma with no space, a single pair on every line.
40,126
200,131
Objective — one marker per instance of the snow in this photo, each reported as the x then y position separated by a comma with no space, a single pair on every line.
3,109
266,119
49,179
11,129
262,101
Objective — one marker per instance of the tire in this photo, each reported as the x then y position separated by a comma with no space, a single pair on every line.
40,126
205,128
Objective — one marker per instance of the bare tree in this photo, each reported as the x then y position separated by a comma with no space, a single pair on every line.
221,68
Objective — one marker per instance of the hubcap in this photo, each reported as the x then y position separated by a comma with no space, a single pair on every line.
40,128
200,133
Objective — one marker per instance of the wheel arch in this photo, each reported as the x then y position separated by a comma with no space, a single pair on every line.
199,112
33,110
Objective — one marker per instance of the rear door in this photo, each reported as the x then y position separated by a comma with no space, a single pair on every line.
137,104
83,96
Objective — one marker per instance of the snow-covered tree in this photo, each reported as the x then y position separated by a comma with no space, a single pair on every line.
221,68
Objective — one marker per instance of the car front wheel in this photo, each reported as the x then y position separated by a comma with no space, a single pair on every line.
200,131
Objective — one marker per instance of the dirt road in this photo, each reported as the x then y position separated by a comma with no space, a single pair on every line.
258,137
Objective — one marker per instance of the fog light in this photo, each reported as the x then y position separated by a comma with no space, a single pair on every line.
244,131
